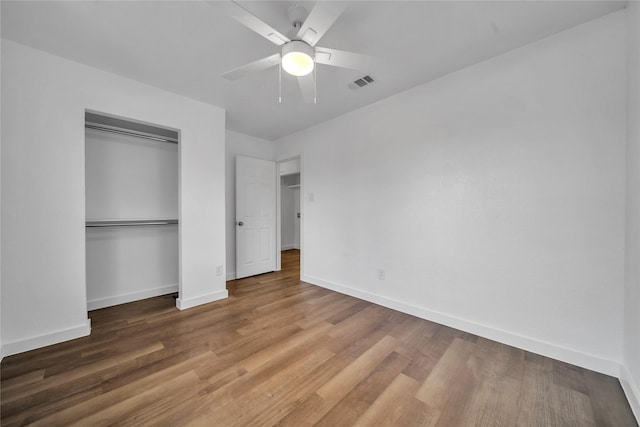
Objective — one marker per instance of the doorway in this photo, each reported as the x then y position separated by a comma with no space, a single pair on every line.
290,211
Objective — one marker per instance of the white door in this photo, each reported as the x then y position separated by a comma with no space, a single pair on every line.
255,216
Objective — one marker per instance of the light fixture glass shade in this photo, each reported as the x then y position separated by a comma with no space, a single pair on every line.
297,58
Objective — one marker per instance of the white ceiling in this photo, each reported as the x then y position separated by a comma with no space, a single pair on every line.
184,46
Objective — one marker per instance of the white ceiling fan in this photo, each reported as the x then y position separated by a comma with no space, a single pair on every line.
299,54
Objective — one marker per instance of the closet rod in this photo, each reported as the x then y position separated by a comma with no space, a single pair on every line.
130,223
124,132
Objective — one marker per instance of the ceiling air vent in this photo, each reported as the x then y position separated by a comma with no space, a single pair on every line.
361,82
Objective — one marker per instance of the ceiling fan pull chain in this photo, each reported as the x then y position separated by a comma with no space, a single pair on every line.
280,83
315,85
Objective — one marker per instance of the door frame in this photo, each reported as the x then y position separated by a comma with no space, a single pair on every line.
279,214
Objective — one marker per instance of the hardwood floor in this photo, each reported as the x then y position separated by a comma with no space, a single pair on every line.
283,352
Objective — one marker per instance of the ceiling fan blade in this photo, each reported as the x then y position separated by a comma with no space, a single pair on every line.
342,58
323,15
308,87
252,67
254,23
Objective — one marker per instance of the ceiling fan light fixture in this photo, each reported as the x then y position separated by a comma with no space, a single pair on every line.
297,58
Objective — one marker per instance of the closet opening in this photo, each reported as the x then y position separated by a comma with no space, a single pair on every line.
132,210
290,213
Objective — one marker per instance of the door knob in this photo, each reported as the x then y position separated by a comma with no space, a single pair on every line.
240,223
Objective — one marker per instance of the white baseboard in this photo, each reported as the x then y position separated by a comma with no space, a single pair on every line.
584,360
39,341
184,304
288,247
231,276
631,390
134,296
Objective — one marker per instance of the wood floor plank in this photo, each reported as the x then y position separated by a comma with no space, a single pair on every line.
435,389
313,403
282,352
138,403
572,407
22,380
332,392
256,402
68,376
257,359
233,382
358,400
542,402
285,393
397,406
262,372
124,376
420,366
414,331
342,383
114,397
246,346
608,410
492,396
331,309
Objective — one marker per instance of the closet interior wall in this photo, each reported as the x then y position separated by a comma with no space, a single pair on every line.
290,211
131,174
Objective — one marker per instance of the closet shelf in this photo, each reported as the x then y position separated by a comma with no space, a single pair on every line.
130,222
294,186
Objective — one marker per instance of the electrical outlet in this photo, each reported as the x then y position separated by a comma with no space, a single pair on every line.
219,270
381,275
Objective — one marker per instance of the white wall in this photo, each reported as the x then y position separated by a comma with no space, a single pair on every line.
493,198
202,200
631,357
238,144
44,98
130,178
127,264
